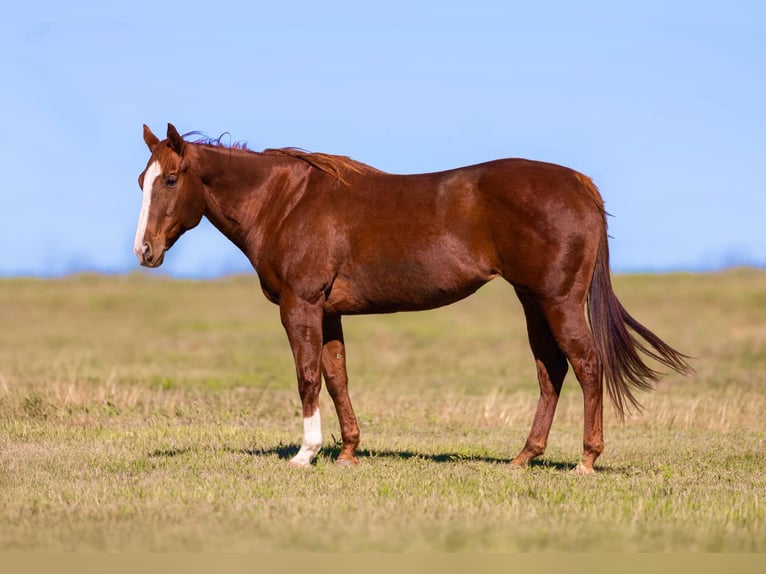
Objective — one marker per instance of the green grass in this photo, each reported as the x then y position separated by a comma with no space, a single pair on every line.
140,413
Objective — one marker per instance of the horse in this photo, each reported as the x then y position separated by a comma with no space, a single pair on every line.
329,236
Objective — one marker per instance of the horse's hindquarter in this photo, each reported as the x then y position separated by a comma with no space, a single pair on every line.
547,223
418,242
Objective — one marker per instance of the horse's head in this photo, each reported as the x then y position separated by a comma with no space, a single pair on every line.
173,197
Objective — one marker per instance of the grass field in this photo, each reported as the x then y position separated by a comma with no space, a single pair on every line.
140,413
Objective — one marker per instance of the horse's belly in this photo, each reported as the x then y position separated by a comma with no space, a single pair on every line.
402,287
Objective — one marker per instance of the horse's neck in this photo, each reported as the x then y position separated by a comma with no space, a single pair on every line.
241,198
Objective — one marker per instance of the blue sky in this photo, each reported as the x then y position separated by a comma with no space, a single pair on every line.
663,104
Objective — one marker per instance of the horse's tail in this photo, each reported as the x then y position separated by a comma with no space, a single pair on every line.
618,349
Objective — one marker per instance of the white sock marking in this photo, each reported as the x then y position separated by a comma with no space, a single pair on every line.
312,440
150,176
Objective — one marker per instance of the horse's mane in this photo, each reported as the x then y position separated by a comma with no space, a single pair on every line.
216,142
335,165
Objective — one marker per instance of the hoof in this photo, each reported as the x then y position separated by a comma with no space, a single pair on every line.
346,462
521,462
581,470
299,463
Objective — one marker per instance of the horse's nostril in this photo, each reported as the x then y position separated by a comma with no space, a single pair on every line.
147,252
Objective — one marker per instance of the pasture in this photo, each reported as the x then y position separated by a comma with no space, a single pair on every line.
143,413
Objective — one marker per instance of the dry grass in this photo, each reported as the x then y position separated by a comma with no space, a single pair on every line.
139,413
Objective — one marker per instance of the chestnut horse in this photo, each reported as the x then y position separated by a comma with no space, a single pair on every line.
329,236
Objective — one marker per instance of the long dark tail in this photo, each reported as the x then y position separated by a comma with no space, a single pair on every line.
620,350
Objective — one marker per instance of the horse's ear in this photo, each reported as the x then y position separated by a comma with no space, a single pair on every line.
150,139
176,142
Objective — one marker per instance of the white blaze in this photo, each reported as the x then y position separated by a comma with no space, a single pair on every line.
151,174
312,440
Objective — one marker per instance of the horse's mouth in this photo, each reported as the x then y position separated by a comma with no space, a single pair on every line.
154,262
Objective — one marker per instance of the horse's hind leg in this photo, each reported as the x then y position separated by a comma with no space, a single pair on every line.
551,369
570,329
336,379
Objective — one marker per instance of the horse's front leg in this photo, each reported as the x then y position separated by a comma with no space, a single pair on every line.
336,379
303,323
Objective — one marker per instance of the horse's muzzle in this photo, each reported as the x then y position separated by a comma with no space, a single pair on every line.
149,257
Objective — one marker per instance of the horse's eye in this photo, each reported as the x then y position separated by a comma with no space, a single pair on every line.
171,180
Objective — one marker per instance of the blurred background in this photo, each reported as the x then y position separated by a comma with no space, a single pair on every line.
662,104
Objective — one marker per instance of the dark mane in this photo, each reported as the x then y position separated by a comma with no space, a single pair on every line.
335,165
215,142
